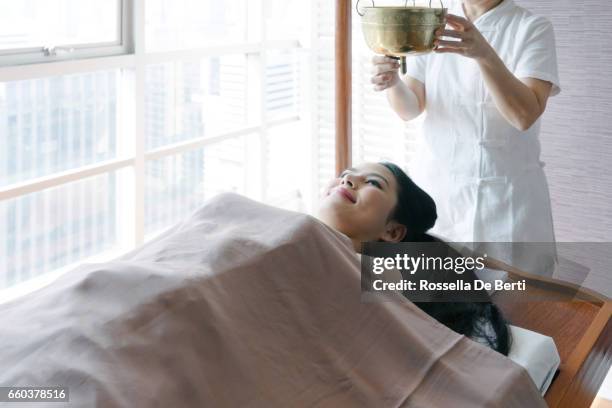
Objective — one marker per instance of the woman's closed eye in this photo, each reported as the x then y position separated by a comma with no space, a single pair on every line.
375,183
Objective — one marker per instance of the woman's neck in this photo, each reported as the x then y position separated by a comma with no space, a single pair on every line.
476,8
356,245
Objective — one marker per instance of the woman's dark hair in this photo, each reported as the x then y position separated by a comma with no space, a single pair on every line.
415,208
482,321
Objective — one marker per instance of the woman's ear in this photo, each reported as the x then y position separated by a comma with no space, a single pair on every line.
394,232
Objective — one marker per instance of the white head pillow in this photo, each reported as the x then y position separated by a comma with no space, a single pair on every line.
537,353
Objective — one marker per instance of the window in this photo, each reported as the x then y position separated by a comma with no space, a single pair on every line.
190,99
146,109
187,24
57,124
177,185
51,30
54,227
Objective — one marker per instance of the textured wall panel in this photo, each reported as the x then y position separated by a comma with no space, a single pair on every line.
576,129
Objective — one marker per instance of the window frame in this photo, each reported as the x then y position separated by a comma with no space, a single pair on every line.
66,52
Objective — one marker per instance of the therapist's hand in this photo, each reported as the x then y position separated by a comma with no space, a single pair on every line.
520,101
384,72
465,39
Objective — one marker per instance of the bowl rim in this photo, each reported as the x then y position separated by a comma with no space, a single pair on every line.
409,8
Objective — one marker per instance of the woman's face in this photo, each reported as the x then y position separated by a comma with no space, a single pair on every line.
360,202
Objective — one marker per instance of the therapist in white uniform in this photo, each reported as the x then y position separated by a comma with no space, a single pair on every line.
483,89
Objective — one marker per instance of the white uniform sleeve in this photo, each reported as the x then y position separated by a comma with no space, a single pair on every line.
417,67
537,56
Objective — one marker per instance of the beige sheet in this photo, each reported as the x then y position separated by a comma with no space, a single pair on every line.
244,305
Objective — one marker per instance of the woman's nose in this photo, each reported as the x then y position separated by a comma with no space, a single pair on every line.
349,181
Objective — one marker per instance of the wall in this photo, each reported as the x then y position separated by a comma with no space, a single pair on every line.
576,129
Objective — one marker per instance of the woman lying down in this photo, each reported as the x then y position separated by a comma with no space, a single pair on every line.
379,202
247,305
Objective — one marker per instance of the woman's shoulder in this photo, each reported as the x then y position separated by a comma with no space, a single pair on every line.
529,21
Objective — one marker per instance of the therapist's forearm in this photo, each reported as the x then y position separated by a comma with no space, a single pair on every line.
517,103
404,101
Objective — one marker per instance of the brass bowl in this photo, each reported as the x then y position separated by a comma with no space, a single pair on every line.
401,31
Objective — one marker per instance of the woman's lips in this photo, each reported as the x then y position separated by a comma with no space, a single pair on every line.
346,194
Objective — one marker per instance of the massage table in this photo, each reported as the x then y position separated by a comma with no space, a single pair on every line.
581,329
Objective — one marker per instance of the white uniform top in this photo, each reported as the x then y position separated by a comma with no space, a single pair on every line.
485,175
